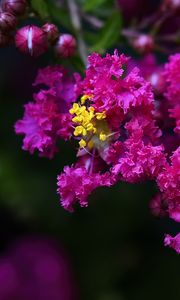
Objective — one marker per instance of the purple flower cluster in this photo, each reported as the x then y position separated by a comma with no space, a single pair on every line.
46,119
119,126
34,268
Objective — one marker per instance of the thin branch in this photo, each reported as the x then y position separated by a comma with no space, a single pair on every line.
76,22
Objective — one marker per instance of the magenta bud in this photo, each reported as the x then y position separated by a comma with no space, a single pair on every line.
16,7
158,82
65,46
31,40
7,21
173,5
51,31
143,43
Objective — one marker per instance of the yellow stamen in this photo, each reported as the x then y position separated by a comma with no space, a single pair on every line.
78,130
102,136
74,109
90,124
100,116
84,98
82,143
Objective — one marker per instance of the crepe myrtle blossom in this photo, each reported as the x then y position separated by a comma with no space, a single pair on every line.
173,242
172,92
151,71
36,268
113,122
110,115
46,119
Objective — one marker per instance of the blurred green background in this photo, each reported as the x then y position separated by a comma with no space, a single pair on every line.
115,245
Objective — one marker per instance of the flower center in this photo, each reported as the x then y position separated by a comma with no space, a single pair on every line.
91,126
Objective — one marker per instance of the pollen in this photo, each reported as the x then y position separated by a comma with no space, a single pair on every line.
102,137
100,116
74,109
84,98
90,126
82,143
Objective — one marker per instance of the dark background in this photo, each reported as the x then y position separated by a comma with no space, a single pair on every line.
115,245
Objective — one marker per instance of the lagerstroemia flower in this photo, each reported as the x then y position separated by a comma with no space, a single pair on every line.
173,242
36,268
111,115
172,93
46,119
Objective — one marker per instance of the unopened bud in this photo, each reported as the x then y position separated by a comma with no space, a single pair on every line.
143,43
31,39
7,21
51,31
16,7
65,46
173,5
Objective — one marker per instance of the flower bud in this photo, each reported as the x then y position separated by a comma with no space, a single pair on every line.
66,45
51,31
173,5
143,43
16,7
31,39
7,21
158,82
158,206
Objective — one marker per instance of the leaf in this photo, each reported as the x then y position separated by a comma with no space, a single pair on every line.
90,5
41,7
109,34
60,15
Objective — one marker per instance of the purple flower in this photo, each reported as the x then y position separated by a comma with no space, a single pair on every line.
172,93
76,183
173,242
114,124
35,268
169,179
47,119
112,116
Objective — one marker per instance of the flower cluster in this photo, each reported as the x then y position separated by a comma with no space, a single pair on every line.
113,116
36,268
46,119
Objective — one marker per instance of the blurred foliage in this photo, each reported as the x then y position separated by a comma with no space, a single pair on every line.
115,244
41,8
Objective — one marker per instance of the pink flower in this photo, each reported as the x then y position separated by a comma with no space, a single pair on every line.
36,268
172,77
174,209
76,183
139,161
175,114
158,206
172,93
173,242
114,92
151,71
126,137
47,118
169,179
